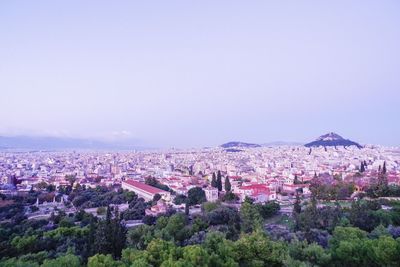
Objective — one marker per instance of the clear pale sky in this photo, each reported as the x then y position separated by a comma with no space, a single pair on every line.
196,73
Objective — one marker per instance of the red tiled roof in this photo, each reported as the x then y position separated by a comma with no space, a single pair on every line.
256,188
145,187
296,185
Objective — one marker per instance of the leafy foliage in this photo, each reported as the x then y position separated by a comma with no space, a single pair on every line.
99,197
358,235
154,182
196,196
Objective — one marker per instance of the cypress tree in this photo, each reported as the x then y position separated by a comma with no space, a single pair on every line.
103,236
118,235
187,208
91,248
362,168
296,212
297,205
228,186
219,181
214,181
383,188
191,170
110,235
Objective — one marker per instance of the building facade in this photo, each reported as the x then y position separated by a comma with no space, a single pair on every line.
144,190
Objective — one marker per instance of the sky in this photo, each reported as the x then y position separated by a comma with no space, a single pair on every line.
201,73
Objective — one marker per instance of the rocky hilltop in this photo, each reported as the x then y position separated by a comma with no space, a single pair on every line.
332,139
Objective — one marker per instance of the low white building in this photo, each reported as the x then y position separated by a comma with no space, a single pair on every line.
144,190
211,194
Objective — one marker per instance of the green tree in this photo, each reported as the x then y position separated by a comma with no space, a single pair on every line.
139,237
118,236
379,231
219,181
180,199
268,209
159,251
209,206
196,195
257,249
229,196
386,251
110,235
365,215
347,247
251,218
154,182
309,254
248,200
63,261
100,260
221,251
187,209
136,211
141,262
195,256
103,238
133,257
362,167
214,181
14,262
24,243
156,197
228,186
297,205
175,229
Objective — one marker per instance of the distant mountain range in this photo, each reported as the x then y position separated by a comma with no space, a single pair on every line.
57,143
237,144
332,139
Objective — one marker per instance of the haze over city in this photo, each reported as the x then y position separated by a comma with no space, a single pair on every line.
200,74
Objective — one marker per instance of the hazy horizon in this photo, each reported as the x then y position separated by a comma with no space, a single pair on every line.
188,74
35,141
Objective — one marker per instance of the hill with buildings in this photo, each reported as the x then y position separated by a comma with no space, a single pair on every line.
332,139
236,144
